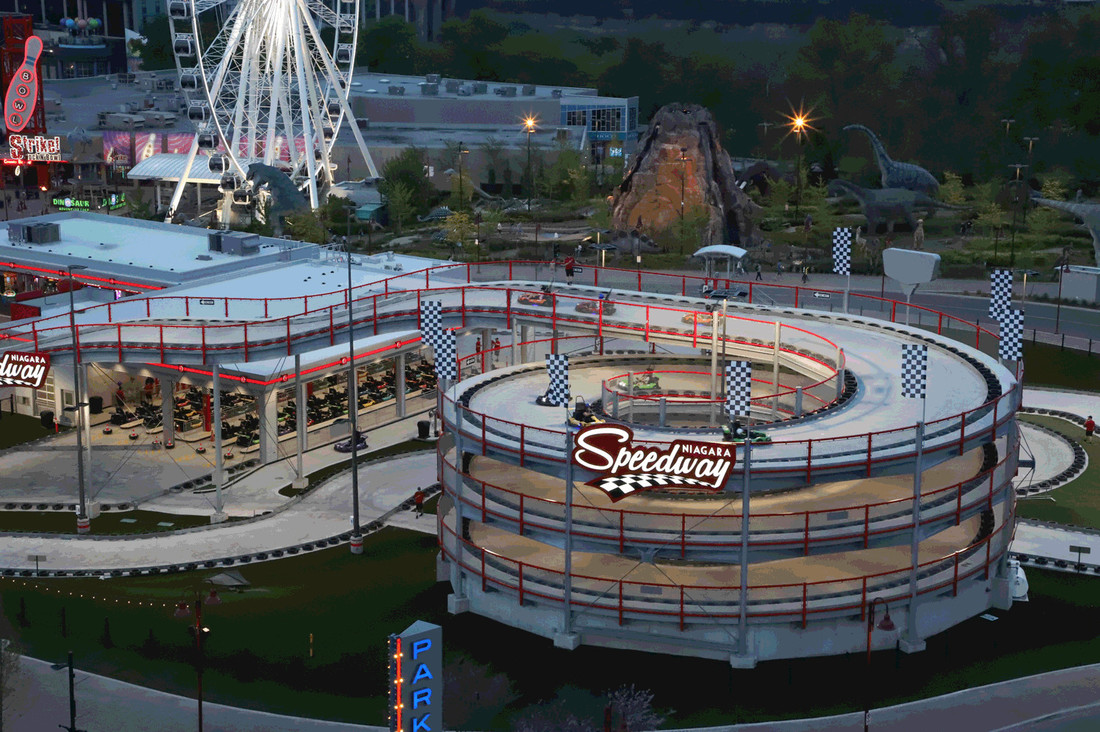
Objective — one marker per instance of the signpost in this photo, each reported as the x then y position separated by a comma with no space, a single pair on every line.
1079,550
416,679
36,558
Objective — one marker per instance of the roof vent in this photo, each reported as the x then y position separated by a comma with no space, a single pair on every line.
396,91
528,90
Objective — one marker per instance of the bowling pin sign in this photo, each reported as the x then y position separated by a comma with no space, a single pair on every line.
22,95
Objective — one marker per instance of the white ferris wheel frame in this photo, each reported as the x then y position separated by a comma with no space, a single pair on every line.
268,75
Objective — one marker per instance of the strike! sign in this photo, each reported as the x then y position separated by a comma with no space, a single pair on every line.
24,369
625,469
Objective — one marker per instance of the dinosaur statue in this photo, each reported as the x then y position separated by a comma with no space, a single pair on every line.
899,175
886,205
1089,213
285,196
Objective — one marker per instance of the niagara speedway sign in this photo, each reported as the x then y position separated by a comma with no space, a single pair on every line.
24,369
625,468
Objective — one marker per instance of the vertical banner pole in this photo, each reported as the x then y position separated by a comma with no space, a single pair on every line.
567,620
847,289
743,609
300,413
914,548
713,365
219,475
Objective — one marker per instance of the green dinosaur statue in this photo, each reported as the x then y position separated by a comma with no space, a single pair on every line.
886,205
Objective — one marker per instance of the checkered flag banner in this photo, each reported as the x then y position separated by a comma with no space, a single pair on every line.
618,487
446,356
431,320
557,367
1000,292
914,371
1011,347
738,387
842,250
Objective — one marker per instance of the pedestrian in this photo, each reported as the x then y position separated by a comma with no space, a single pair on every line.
418,502
1090,427
805,274
570,267
759,276
778,269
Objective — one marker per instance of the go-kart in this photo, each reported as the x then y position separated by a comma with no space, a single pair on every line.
736,434
592,307
643,382
583,415
345,445
540,299
701,318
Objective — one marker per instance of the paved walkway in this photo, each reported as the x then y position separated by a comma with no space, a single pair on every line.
41,702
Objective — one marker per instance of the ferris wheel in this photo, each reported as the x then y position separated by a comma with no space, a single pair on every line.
267,81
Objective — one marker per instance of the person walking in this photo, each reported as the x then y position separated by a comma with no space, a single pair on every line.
1090,427
418,502
759,276
570,267
805,275
778,269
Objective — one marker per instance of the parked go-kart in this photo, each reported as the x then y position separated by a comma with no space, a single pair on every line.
345,445
702,318
583,415
737,434
592,307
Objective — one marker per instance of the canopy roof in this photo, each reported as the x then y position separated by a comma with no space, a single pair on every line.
721,251
168,167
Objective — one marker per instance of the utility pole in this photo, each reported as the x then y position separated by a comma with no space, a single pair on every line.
71,727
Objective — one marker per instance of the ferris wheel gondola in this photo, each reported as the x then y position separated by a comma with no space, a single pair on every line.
269,85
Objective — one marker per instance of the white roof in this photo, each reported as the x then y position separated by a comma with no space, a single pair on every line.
169,167
719,251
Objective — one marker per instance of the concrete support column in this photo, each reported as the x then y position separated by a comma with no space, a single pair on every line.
775,370
167,408
399,383
219,456
515,346
798,401
302,419
662,415
524,349
267,404
486,344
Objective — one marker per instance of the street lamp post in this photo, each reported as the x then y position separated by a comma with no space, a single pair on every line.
353,417
529,127
887,625
462,151
194,612
1030,171
799,123
1015,210
83,524
1062,266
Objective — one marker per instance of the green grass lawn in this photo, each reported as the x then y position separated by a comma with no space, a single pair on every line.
1077,502
15,429
1051,366
259,648
64,522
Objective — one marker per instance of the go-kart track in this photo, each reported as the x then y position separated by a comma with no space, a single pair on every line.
832,512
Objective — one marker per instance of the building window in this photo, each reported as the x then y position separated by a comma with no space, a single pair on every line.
608,119
632,119
576,117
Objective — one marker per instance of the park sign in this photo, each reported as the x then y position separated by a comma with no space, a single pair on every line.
113,201
416,679
24,369
624,469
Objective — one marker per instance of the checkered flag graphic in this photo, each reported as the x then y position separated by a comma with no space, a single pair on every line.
842,250
738,387
1011,347
431,320
618,487
446,356
557,367
914,371
1000,292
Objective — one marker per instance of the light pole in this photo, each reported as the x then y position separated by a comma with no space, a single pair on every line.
529,127
462,151
1007,122
186,610
1015,210
83,524
799,125
887,625
1030,171
353,417
1062,266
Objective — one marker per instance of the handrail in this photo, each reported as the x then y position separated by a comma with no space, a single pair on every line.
848,594
860,515
701,398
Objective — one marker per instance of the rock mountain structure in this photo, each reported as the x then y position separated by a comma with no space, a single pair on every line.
682,144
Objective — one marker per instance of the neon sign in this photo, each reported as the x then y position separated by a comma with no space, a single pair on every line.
114,201
625,469
416,679
24,149
22,94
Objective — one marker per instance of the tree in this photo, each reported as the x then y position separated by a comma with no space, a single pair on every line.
462,190
9,675
389,44
952,189
157,51
493,151
635,708
400,204
408,168
306,225
458,228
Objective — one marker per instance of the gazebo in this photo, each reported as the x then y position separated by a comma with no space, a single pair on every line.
715,252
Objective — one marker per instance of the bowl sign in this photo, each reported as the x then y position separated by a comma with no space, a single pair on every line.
24,369
416,679
625,469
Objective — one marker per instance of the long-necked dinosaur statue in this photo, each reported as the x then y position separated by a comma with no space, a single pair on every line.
899,175
1089,213
886,205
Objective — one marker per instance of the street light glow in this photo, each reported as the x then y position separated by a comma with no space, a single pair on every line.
799,122
529,123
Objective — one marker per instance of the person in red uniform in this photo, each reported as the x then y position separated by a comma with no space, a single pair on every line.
418,502
1090,427
570,268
